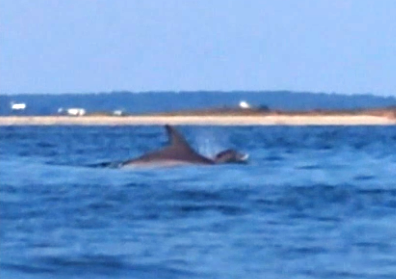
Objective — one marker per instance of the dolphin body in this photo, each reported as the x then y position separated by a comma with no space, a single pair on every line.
177,153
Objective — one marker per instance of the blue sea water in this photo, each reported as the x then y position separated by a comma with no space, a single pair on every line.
314,202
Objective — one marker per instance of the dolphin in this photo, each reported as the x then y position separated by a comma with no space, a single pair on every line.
177,153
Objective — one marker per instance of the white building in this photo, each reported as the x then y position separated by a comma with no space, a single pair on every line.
244,105
72,111
18,106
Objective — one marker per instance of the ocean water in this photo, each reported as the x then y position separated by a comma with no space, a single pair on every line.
314,202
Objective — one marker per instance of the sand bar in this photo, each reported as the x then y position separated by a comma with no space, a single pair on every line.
199,120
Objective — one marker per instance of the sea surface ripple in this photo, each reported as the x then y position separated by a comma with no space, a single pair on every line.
314,202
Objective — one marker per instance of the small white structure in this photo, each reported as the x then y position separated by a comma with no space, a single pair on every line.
73,111
244,105
118,112
18,106
76,111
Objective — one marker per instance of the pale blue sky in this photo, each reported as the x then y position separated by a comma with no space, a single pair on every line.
55,46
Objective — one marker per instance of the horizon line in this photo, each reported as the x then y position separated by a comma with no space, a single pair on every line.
202,91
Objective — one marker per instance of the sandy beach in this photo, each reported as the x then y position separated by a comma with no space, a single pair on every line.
224,120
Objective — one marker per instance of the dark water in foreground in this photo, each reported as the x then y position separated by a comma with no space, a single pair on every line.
315,202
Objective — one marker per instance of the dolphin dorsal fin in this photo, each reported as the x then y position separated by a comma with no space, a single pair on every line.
176,140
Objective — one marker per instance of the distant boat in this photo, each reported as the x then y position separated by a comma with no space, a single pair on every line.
18,106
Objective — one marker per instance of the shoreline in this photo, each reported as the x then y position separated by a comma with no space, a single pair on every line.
216,120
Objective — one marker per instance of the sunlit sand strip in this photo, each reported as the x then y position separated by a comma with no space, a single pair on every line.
200,120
